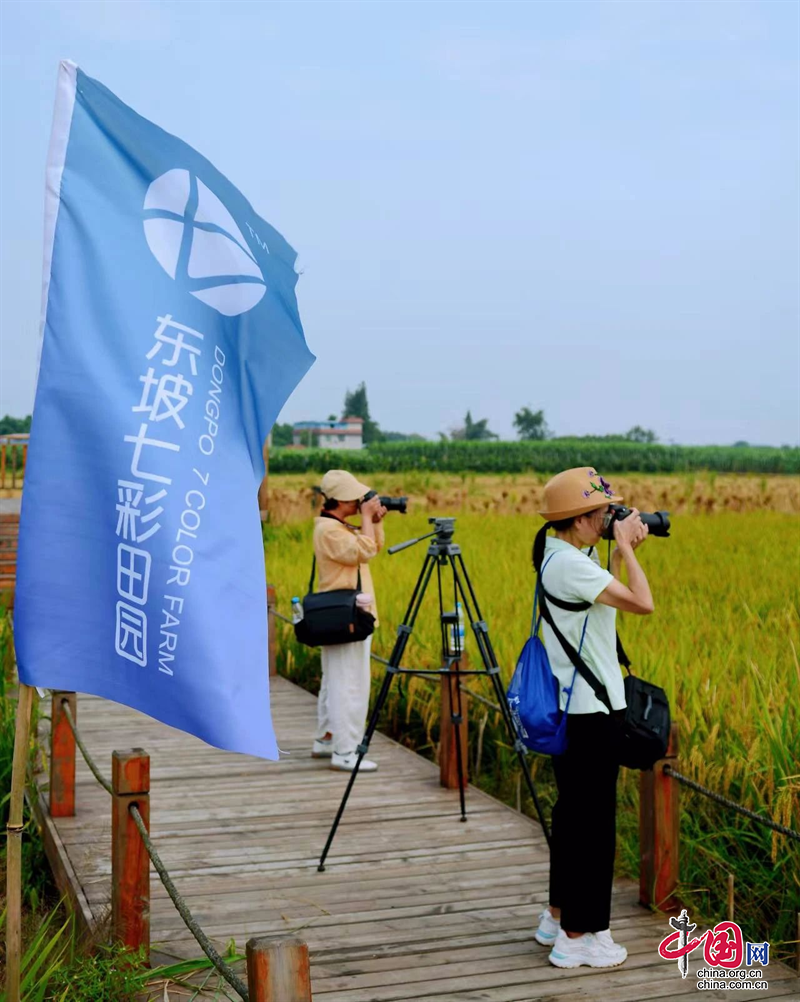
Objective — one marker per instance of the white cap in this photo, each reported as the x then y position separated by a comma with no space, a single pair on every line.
342,486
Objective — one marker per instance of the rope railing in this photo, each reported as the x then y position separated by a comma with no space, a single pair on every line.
84,750
182,908
279,615
726,802
205,943
481,699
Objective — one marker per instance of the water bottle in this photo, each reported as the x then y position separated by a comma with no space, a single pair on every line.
462,636
457,632
297,610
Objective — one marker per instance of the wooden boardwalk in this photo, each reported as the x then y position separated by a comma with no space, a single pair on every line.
414,905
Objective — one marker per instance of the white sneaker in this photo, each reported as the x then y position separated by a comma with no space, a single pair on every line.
346,763
322,748
594,949
549,928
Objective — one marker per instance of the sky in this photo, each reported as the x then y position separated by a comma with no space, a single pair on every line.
588,207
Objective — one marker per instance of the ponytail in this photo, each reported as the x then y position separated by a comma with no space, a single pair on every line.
538,546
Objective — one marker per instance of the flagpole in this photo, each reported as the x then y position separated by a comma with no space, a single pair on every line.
14,843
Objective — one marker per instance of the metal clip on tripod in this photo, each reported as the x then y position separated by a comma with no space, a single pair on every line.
442,552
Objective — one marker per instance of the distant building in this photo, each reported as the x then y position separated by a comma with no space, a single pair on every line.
345,434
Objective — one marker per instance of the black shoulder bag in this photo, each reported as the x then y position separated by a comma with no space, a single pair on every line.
332,617
644,725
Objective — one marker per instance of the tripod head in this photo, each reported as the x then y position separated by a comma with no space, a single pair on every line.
443,529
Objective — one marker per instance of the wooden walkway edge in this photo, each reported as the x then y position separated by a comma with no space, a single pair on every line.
414,905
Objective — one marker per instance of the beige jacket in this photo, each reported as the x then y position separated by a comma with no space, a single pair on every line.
340,550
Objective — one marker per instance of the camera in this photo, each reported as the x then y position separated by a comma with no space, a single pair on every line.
657,522
390,504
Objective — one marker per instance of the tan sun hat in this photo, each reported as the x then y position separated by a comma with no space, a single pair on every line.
342,486
574,492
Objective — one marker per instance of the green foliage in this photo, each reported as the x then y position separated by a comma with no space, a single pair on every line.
531,425
54,968
37,883
356,405
549,456
15,426
282,435
638,434
401,436
473,431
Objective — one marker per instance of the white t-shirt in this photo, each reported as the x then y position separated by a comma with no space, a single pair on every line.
574,576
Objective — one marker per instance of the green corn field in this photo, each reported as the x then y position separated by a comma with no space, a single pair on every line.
548,456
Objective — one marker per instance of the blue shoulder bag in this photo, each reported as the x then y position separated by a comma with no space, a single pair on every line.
533,695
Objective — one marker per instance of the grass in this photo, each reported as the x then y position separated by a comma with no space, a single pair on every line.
723,642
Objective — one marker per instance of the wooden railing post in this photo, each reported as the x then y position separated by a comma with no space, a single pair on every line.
130,864
278,970
448,755
62,755
659,822
272,631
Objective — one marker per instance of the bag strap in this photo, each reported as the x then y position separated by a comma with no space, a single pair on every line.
314,574
538,556
581,667
537,586
571,687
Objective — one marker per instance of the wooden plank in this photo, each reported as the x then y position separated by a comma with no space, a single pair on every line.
66,879
415,904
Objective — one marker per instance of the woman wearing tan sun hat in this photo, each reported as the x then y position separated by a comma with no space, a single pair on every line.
343,552
576,507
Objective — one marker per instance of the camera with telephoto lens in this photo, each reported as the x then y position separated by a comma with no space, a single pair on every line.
657,521
390,504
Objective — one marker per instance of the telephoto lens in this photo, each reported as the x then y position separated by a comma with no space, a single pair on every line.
657,521
390,504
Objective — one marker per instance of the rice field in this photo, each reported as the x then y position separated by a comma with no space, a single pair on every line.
723,642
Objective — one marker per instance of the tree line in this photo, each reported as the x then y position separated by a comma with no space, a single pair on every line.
530,426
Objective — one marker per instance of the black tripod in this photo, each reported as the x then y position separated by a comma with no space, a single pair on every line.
442,552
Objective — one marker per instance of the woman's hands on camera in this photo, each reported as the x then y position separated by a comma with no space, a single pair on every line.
372,510
631,531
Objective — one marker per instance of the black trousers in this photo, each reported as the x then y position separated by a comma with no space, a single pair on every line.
584,823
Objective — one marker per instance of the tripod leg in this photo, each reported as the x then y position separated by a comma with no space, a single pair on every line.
403,633
519,748
481,631
362,751
458,723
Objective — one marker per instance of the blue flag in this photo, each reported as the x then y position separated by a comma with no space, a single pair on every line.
171,340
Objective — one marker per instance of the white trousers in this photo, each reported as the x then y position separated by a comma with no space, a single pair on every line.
344,694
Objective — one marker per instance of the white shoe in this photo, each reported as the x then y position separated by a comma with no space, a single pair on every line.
322,748
549,928
594,949
346,763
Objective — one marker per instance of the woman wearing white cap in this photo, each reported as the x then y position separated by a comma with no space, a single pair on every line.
342,550
576,923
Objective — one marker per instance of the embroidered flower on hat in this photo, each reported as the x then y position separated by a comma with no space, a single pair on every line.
604,487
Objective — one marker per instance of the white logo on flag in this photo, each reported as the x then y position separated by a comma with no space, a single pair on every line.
195,240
